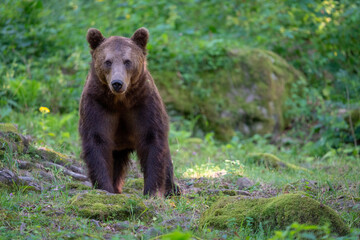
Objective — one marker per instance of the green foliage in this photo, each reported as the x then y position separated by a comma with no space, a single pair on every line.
304,231
44,61
317,36
176,235
45,56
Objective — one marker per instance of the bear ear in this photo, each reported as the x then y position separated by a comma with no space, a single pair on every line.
141,37
94,38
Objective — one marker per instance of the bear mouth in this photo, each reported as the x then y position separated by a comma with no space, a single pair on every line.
118,92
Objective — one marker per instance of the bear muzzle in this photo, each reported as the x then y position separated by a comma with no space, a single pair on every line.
118,86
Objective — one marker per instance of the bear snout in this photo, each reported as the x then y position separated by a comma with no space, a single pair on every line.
118,85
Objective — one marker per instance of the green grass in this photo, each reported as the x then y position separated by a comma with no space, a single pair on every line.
199,162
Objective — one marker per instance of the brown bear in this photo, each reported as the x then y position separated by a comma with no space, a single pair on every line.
121,111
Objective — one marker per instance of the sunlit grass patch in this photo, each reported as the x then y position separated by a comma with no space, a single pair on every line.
210,170
204,170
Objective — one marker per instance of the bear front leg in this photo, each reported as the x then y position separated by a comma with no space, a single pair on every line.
96,128
171,189
154,169
97,158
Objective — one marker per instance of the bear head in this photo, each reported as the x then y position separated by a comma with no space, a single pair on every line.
118,61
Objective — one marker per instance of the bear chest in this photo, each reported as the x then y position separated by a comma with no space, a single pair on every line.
125,135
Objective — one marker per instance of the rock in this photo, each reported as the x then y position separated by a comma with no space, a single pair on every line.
183,222
248,95
272,162
101,205
66,171
272,213
25,165
152,232
46,176
76,169
11,139
244,183
95,222
9,179
50,155
26,179
8,127
121,225
29,162
87,183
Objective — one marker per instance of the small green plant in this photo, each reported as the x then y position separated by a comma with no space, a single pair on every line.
175,235
302,231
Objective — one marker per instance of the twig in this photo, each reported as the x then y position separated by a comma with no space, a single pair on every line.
350,120
66,171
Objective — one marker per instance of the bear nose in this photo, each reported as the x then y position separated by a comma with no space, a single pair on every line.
117,85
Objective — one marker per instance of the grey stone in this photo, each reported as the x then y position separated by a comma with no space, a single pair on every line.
152,232
244,183
7,177
121,225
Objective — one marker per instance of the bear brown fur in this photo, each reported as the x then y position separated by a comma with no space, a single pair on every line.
121,111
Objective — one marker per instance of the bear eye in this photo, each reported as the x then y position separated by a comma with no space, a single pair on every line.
108,63
127,63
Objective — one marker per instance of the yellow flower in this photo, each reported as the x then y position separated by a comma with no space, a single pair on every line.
127,16
172,204
44,110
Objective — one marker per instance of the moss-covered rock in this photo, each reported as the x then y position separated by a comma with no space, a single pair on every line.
8,127
77,186
11,139
101,205
273,213
11,181
272,162
248,95
50,155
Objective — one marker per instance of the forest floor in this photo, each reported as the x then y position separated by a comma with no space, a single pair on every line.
44,193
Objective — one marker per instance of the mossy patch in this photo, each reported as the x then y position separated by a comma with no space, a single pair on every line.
11,140
272,162
50,155
201,185
100,205
271,213
77,186
248,95
8,127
